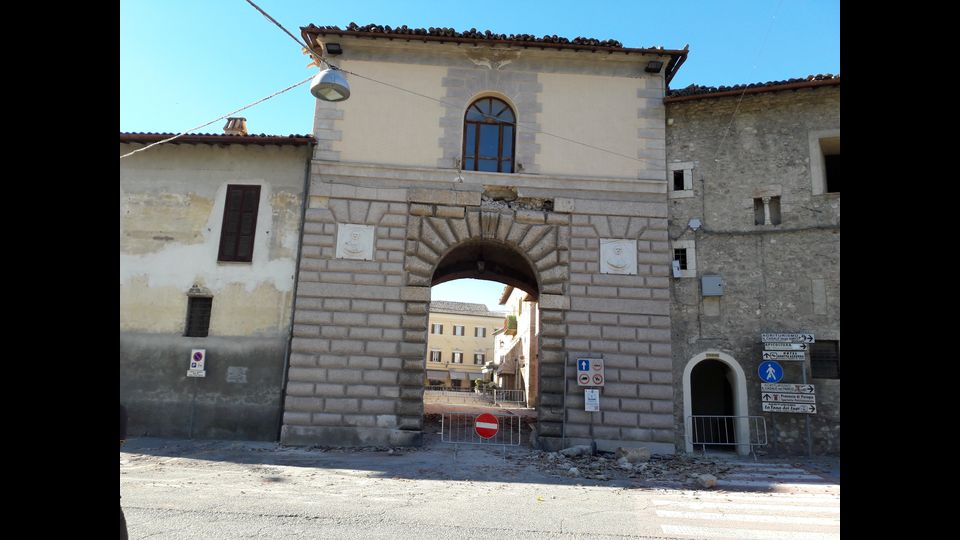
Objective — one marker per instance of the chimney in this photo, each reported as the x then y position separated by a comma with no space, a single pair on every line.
235,126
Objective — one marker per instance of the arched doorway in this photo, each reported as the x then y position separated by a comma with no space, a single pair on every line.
501,327
714,388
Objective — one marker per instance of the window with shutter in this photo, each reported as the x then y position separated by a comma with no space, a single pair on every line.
198,316
239,223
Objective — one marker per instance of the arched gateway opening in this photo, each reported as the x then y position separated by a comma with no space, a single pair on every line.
715,404
483,357
358,363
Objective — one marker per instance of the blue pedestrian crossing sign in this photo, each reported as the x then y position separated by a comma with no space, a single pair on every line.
770,372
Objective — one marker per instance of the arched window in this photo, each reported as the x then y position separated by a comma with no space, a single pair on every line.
488,136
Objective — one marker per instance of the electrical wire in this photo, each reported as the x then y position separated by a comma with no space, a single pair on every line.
181,134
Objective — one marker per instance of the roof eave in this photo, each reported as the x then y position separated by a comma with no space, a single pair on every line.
308,34
755,90
147,138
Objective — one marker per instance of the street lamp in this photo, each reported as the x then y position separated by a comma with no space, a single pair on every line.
330,85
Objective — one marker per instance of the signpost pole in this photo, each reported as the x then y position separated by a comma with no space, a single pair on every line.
806,417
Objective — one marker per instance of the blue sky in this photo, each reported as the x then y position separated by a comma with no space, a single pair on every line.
186,62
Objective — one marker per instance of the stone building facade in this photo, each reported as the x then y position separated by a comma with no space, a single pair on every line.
191,281
582,228
750,204
460,342
518,349
659,233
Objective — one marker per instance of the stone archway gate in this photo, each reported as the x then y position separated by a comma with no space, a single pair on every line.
369,255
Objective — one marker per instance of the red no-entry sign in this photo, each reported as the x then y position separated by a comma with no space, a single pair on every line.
486,425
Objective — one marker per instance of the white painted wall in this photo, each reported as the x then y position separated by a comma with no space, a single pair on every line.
171,213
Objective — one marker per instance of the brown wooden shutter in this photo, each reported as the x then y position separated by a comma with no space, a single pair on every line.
239,223
198,316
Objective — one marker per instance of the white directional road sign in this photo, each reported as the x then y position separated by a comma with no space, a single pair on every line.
784,355
786,346
787,388
783,337
790,408
788,398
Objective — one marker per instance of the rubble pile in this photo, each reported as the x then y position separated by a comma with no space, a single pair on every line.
632,463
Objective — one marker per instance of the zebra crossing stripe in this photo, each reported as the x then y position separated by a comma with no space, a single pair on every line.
745,534
697,505
750,518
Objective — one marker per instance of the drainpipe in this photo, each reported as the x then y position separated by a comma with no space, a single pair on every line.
296,282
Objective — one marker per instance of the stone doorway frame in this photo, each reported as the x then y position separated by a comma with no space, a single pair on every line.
739,398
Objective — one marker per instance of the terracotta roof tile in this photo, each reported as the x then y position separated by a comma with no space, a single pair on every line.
696,91
217,138
450,34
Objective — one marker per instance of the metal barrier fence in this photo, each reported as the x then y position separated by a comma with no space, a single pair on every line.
727,431
458,396
448,389
459,428
510,397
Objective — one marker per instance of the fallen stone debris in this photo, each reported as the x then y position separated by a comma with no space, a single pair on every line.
634,464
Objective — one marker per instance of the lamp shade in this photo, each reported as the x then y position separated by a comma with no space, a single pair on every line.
330,85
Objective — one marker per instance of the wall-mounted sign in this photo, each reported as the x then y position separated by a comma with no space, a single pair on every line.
198,358
591,400
590,372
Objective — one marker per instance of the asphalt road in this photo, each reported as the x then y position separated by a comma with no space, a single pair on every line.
176,489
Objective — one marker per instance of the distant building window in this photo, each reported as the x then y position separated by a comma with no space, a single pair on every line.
825,359
479,332
436,328
680,255
678,180
457,358
832,165
239,223
684,259
435,356
198,316
825,161
489,133
457,330
680,177
478,359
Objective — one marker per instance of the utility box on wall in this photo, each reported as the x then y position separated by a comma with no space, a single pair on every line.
711,285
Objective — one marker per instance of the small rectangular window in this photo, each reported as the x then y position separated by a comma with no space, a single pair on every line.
239,223
832,166
457,358
478,359
198,316
435,356
436,328
479,332
825,359
680,255
678,180
457,330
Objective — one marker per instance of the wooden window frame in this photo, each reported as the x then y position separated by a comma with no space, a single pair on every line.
230,239
475,126
198,322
